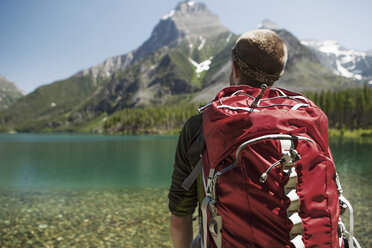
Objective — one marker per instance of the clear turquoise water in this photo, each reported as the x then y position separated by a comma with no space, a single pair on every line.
44,160
60,160
30,163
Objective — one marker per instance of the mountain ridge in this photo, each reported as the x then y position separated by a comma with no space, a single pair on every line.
169,32
345,62
9,93
180,63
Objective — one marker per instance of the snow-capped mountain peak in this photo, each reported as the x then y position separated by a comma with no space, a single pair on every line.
188,21
169,15
332,47
268,24
345,62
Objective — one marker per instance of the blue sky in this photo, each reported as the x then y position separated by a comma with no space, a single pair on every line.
42,41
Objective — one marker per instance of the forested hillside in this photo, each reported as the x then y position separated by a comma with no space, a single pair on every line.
349,108
346,109
149,120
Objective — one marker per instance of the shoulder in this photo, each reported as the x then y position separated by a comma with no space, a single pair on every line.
189,133
192,126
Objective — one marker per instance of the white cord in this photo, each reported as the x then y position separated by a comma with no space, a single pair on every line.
351,212
354,239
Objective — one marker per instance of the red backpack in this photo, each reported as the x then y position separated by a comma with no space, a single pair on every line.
268,173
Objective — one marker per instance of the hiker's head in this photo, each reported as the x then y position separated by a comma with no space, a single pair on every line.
259,56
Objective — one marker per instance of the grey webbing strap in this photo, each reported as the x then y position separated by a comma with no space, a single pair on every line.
193,175
205,221
196,148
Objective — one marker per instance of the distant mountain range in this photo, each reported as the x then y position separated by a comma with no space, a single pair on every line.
185,60
344,62
9,93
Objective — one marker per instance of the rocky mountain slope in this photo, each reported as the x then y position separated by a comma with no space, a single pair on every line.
9,93
186,59
342,61
188,22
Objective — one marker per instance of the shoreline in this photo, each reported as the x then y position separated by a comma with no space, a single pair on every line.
357,133
332,132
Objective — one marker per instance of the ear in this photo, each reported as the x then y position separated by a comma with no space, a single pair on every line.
235,72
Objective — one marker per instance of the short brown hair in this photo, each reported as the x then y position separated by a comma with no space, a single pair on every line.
260,55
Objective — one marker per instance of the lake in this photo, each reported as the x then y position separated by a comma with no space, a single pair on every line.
85,161
62,190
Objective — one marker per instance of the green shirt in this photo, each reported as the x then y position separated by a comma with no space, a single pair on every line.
182,202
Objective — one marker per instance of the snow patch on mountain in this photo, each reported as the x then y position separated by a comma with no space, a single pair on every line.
169,15
267,24
333,47
345,62
229,37
203,40
191,3
200,67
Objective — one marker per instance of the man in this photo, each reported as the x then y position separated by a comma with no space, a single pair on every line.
259,57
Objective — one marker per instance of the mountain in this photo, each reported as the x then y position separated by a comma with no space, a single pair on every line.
175,59
160,71
189,22
303,72
185,60
9,93
342,61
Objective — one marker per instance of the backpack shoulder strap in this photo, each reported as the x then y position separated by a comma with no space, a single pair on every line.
196,147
